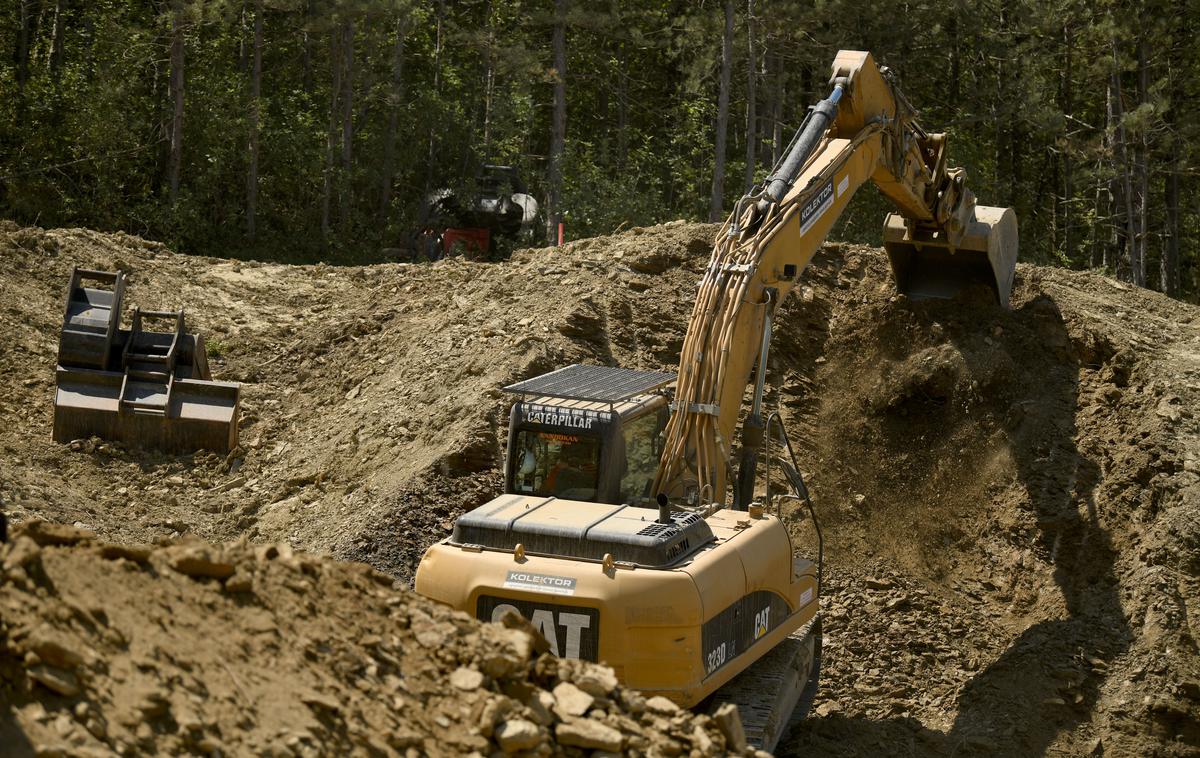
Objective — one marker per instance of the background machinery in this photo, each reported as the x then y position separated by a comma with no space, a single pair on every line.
631,530
499,206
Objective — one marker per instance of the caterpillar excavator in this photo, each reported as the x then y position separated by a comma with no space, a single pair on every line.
631,530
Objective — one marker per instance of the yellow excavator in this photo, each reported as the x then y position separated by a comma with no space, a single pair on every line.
628,533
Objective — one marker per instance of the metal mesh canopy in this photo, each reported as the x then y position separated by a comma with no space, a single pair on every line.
603,384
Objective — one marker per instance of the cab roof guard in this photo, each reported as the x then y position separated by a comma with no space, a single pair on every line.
603,384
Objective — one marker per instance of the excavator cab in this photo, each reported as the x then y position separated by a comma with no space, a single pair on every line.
591,433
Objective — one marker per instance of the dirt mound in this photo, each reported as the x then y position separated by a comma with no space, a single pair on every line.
1012,506
371,407
190,648
1011,499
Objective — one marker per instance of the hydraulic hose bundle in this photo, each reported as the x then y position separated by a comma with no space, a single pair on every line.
722,296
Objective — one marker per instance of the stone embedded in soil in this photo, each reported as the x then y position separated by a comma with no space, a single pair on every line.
54,648
517,734
597,681
199,562
22,552
494,710
569,700
541,707
135,553
466,679
730,723
321,702
57,680
661,705
241,581
588,733
45,533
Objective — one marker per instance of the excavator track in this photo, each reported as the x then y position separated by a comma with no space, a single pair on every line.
778,689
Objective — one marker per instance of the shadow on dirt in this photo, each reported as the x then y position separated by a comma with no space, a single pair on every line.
1024,374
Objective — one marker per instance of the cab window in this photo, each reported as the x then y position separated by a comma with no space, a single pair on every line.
643,446
559,465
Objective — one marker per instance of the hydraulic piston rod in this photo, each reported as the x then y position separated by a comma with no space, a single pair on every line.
809,135
752,428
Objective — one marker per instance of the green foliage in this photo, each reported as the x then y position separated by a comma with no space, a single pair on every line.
1023,89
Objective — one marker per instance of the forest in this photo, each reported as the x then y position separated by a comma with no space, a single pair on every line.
304,130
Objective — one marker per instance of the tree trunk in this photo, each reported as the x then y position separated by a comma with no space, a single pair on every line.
175,161
1142,173
717,203
1114,249
1121,160
777,112
751,98
344,188
559,127
489,88
1100,244
56,45
955,56
306,49
395,100
1003,140
255,93
244,62
1169,263
331,133
24,34
1068,92
431,168
622,108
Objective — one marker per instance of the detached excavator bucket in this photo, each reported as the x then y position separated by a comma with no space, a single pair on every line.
926,266
142,387
91,318
186,416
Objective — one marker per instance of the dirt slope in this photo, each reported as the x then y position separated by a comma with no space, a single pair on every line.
1014,510
192,649
1011,500
371,409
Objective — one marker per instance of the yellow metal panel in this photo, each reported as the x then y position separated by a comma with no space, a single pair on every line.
650,620
572,513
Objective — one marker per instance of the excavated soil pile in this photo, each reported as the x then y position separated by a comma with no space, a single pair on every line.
190,648
1010,499
372,414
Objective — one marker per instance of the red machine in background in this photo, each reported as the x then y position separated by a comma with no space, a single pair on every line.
470,242
499,207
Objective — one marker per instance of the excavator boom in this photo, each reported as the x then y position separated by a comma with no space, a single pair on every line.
939,242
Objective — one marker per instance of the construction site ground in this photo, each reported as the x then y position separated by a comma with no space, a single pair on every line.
1010,503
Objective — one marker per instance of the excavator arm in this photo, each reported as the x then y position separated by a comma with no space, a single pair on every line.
938,242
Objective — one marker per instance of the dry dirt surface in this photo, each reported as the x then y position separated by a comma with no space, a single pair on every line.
1010,499
187,648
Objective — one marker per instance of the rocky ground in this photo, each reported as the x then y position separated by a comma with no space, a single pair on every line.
1010,500
186,648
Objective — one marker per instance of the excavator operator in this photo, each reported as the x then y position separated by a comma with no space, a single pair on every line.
574,469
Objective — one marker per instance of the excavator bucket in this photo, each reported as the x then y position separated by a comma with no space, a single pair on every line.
92,317
147,388
927,266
